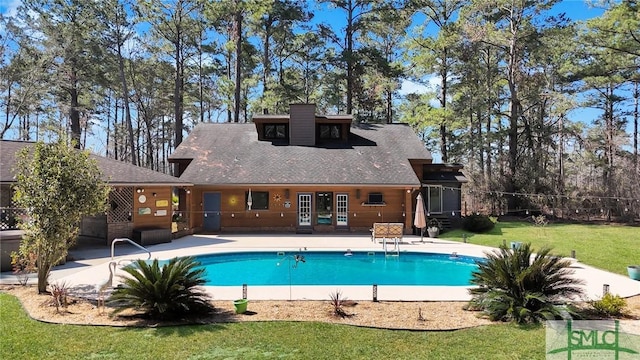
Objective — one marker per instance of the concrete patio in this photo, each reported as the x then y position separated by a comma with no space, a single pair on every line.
89,266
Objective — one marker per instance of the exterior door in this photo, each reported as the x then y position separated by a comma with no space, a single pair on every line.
304,210
342,209
211,209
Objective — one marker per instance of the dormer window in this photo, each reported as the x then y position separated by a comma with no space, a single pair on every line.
327,131
275,131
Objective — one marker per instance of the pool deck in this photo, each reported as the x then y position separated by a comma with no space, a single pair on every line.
89,267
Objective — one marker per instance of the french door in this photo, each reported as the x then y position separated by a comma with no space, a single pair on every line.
304,209
342,209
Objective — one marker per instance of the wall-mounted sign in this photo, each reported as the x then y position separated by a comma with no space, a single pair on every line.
162,203
144,211
287,204
161,213
142,199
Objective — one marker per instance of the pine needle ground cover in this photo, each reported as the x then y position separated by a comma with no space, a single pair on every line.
607,247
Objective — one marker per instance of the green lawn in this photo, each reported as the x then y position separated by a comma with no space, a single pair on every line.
23,338
608,247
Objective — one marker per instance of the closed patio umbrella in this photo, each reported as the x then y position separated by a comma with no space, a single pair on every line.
419,220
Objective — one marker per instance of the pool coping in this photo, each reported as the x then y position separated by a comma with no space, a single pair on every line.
89,266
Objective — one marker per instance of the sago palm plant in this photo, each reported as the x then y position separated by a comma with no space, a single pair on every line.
515,285
168,292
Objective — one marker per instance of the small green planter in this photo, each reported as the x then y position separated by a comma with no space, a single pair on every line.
634,271
240,305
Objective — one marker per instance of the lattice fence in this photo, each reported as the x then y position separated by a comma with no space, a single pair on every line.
9,218
121,205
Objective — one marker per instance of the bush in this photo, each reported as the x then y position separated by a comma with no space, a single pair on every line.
477,223
167,292
609,305
513,286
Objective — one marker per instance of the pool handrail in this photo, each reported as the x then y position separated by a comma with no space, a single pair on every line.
117,240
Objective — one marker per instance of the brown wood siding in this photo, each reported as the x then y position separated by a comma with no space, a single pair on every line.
235,217
154,208
302,124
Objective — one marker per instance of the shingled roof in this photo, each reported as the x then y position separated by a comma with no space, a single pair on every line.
114,172
230,153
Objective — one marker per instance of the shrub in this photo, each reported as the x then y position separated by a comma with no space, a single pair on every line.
59,296
540,220
512,287
609,305
337,302
23,265
167,292
477,223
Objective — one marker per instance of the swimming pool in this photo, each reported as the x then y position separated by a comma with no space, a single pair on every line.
334,268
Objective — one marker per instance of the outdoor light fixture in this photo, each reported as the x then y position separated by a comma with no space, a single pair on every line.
140,190
154,194
233,215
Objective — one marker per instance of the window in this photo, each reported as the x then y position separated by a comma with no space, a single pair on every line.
259,200
375,198
329,131
434,203
275,131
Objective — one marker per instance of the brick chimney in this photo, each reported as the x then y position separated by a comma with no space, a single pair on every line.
302,124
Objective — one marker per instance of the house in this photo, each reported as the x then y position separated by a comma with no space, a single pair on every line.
140,201
305,172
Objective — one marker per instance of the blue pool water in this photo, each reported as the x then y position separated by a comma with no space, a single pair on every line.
334,268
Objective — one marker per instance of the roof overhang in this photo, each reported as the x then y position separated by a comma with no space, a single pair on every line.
115,184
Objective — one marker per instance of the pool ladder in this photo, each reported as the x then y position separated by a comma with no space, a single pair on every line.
395,251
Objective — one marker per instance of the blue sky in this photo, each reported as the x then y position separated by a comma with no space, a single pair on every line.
574,9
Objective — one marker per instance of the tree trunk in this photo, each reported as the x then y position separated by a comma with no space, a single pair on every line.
266,63
487,146
636,95
238,82
116,142
125,98
349,57
74,113
514,114
443,105
177,93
